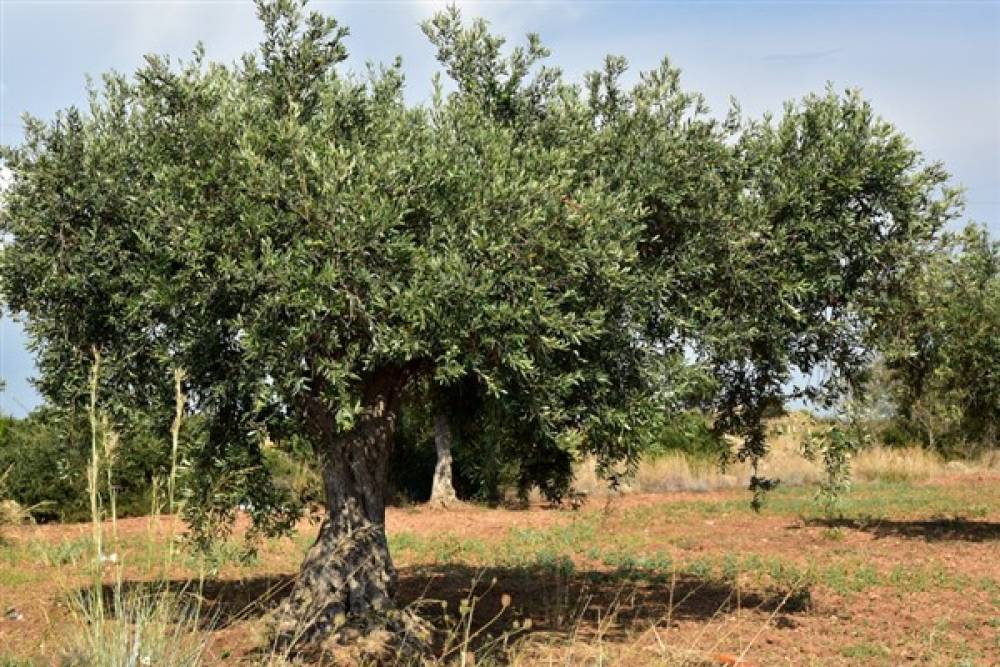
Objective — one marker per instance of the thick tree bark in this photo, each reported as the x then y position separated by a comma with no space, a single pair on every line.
442,489
347,580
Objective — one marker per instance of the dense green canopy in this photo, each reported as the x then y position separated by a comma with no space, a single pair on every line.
307,246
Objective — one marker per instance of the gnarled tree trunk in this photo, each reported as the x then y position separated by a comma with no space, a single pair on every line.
442,490
347,579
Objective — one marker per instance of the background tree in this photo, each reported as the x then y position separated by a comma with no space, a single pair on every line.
832,208
941,346
442,488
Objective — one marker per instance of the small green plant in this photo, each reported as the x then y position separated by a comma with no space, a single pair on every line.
835,534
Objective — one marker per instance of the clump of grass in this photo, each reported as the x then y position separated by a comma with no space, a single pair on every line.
145,628
15,661
12,513
865,650
65,552
114,626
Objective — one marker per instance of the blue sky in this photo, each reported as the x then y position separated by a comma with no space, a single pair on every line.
933,68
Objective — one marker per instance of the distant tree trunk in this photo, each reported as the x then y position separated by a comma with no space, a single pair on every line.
347,579
442,490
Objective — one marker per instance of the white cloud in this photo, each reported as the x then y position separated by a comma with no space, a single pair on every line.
511,19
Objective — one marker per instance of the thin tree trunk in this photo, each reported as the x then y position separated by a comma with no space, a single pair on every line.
347,579
442,490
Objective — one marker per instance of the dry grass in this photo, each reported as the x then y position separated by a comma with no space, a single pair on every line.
680,472
912,464
155,628
13,514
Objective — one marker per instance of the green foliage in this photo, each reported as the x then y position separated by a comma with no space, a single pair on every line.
941,346
495,454
304,244
689,433
835,444
834,206
46,461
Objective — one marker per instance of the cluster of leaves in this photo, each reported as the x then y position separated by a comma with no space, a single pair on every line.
307,246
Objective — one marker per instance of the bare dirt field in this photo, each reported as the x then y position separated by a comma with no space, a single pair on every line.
902,573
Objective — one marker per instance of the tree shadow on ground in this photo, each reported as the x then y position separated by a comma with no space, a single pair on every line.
559,601
579,603
930,530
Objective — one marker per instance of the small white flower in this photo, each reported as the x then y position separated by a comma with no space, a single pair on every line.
145,661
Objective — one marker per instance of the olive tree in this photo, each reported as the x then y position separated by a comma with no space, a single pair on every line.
304,246
308,248
833,208
940,345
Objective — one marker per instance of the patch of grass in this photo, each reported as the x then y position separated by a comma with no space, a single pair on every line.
835,534
64,552
150,628
15,577
871,501
442,549
866,651
894,465
48,554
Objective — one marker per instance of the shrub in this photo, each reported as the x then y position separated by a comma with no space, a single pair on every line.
684,433
46,456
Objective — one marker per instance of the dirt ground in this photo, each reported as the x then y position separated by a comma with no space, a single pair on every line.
902,574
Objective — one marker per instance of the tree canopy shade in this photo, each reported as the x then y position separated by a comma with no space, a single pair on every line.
308,247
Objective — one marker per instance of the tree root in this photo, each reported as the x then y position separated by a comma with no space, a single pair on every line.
395,637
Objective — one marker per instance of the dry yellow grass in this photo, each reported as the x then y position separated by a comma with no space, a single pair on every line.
882,464
13,514
679,472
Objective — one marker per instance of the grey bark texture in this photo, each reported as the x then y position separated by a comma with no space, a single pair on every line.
442,489
347,580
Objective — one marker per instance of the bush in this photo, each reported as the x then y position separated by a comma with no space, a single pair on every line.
47,454
895,434
687,433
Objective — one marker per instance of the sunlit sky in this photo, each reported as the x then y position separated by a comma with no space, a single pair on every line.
932,68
